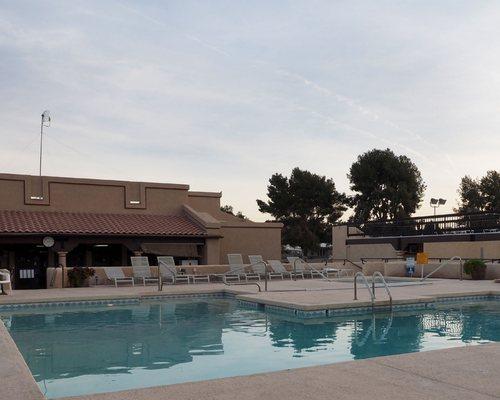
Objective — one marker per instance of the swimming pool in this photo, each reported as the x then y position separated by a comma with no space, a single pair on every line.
101,348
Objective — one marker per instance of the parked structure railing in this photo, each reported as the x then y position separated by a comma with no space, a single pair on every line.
450,224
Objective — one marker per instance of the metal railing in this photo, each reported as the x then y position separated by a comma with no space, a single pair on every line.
379,274
443,264
310,267
243,267
445,224
353,263
363,278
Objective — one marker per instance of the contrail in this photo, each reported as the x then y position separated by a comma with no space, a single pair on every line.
318,88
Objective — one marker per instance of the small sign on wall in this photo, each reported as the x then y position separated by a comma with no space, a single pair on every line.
422,258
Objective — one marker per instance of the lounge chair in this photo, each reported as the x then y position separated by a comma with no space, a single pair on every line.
116,275
257,265
4,280
279,270
142,270
200,277
301,266
168,270
237,268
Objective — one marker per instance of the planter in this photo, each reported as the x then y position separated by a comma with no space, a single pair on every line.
80,277
478,274
476,269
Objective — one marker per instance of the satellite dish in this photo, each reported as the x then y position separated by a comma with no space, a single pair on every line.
48,241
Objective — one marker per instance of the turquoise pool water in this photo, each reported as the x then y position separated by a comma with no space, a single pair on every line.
73,351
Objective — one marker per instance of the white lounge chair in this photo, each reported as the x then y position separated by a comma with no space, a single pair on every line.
237,268
168,270
142,270
4,280
116,275
257,265
279,270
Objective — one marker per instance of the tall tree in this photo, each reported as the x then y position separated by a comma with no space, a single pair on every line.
480,194
386,186
307,204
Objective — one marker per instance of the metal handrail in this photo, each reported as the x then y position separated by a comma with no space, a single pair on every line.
266,272
454,258
363,277
325,277
169,267
353,263
379,274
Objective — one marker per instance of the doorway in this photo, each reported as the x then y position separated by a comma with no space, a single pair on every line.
31,263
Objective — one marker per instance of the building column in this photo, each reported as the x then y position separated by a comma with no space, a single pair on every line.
211,252
61,262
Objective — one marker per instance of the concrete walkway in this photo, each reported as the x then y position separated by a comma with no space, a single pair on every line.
453,374
309,294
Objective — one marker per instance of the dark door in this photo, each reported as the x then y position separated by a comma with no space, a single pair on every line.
31,267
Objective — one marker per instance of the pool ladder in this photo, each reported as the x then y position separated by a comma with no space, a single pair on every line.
371,290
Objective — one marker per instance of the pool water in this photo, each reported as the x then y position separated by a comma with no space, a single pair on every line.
75,351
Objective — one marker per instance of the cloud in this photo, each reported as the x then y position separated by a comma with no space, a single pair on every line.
223,94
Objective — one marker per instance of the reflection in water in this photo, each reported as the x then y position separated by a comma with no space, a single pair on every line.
76,351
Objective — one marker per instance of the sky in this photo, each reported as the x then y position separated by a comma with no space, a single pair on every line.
222,94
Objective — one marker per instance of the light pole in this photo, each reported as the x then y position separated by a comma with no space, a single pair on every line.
435,203
45,123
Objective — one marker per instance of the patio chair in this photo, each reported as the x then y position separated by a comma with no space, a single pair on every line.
237,268
4,280
168,270
257,265
279,270
116,275
200,277
142,270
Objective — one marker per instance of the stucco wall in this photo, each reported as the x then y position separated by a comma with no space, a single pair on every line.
450,271
249,241
356,252
205,202
91,195
490,249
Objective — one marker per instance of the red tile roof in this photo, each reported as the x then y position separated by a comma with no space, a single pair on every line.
71,223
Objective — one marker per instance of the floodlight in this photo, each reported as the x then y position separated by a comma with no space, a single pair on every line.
434,201
46,118
441,201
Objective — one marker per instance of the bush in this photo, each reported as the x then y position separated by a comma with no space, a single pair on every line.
78,276
475,268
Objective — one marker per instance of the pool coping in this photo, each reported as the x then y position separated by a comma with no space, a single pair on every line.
361,307
353,307
17,382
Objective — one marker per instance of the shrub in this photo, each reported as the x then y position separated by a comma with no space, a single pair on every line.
78,276
475,268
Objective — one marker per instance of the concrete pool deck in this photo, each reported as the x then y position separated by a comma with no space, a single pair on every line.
308,294
466,373
460,373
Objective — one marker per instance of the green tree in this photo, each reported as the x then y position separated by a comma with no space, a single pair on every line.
307,204
386,186
480,194
230,210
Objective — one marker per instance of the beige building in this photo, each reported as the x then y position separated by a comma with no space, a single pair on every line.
51,221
